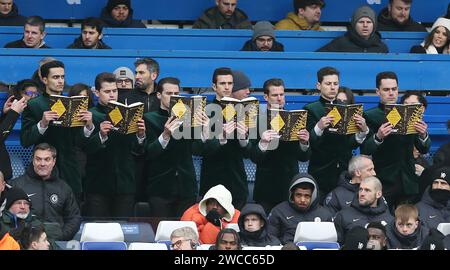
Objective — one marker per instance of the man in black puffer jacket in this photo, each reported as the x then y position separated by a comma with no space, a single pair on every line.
396,17
263,39
118,13
91,35
53,201
9,14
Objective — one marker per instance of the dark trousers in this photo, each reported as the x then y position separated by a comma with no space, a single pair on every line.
109,206
169,207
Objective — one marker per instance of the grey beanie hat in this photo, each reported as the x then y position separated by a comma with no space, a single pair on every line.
364,11
240,80
263,28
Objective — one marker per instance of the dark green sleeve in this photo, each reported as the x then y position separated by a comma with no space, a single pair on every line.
29,133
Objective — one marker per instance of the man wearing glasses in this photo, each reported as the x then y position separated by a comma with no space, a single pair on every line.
124,80
184,238
263,39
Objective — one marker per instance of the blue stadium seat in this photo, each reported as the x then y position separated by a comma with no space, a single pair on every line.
318,245
103,246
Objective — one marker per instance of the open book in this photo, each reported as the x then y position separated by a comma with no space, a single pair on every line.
246,110
123,117
185,108
343,122
287,123
67,109
403,117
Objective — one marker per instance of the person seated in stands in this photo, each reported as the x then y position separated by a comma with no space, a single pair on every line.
345,96
306,16
377,236
263,39
118,13
33,35
302,205
367,207
435,240
434,208
396,17
184,238
361,35
253,227
124,81
26,88
437,41
33,238
6,240
359,167
227,239
91,35
9,14
356,239
53,200
214,212
225,15
406,230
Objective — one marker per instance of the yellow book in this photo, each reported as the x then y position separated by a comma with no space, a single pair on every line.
124,117
68,109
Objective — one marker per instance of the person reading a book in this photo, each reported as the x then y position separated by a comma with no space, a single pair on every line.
393,154
330,151
276,161
110,185
36,126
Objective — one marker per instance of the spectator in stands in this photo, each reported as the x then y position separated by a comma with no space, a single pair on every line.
437,41
392,154
225,15
302,205
124,80
345,96
276,161
253,227
406,230
377,236
223,155
263,39
359,167
26,88
8,118
434,208
37,73
214,212
184,238
241,85
396,17
110,185
361,35
356,239
9,14
36,129
34,238
53,200
91,35
330,152
118,13
306,16
33,35
368,206
171,185
227,239
6,240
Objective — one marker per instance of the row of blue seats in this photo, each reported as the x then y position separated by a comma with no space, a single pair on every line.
182,10
194,68
206,39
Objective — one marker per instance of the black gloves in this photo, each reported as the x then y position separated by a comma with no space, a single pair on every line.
214,217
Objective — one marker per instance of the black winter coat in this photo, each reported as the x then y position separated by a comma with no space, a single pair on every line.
250,45
12,18
385,23
431,213
259,238
342,196
78,44
352,42
7,122
128,23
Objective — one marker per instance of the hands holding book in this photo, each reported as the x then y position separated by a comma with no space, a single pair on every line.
303,136
384,130
85,115
360,123
325,122
203,119
242,130
141,129
48,116
105,128
170,126
421,128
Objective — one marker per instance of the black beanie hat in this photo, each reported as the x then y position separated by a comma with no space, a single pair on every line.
14,194
356,239
441,173
113,3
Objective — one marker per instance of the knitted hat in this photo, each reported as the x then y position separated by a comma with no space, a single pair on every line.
15,194
364,11
263,28
240,81
124,72
356,239
441,22
113,3
441,173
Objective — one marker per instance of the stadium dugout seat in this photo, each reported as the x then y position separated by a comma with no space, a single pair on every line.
205,246
318,245
444,228
103,246
315,231
233,226
147,246
166,227
132,231
67,245
102,232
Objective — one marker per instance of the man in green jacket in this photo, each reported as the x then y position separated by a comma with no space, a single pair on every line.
330,152
276,161
393,154
225,15
36,129
110,185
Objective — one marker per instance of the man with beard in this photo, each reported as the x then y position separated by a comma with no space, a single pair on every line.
91,35
225,15
396,17
263,39
306,16
33,35
118,13
368,206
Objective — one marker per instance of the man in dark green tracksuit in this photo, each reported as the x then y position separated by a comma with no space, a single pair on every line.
110,184
171,183
330,152
393,154
276,161
36,129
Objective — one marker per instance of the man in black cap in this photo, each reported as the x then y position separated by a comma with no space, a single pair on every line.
118,13
241,85
434,208
263,39
306,16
